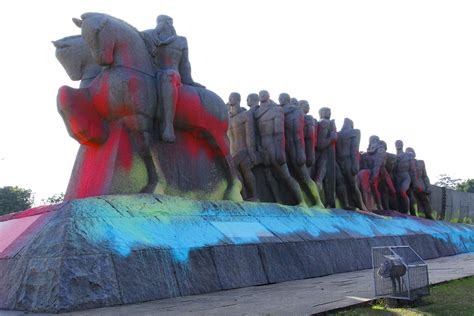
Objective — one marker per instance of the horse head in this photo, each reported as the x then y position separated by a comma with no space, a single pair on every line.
99,37
76,58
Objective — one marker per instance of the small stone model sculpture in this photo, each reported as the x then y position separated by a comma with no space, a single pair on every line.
394,269
271,129
405,174
295,148
422,191
326,157
170,56
348,159
243,149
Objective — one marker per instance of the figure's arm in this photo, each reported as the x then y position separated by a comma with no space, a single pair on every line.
355,155
414,177
309,142
185,66
279,131
425,179
298,134
250,137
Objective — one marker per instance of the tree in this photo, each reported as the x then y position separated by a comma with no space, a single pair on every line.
446,181
466,186
54,199
15,199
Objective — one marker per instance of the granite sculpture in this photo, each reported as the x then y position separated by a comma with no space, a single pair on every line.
325,167
348,161
405,175
421,191
116,117
296,149
242,145
271,129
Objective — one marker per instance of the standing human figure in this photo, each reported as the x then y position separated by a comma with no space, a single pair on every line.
348,159
387,187
242,145
325,166
422,190
405,173
310,133
170,56
271,128
295,148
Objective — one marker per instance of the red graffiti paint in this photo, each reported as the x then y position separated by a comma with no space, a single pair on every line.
191,115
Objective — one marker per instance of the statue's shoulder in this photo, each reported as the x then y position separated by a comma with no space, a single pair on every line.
181,41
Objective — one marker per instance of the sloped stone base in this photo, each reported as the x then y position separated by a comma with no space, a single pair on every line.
116,250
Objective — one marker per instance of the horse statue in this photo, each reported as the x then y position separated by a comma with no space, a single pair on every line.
114,115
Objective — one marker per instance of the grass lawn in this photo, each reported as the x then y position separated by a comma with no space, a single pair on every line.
452,298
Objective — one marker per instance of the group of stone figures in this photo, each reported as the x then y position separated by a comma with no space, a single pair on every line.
282,154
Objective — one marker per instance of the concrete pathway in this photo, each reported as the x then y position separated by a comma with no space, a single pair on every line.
301,297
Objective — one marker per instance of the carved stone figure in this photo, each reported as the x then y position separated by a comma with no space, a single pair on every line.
326,157
271,128
377,158
405,173
170,56
295,148
348,159
243,149
294,101
387,188
363,181
113,114
374,144
422,191
310,133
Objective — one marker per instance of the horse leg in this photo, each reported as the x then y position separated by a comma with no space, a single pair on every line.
220,143
145,153
143,139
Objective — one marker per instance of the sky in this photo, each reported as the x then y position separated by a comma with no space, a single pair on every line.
399,69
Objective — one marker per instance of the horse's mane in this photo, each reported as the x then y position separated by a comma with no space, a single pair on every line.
85,15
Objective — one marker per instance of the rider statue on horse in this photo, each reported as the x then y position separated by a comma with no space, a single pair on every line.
170,56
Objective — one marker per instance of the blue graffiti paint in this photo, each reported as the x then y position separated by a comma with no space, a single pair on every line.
194,224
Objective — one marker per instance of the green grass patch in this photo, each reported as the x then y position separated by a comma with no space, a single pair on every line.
452,298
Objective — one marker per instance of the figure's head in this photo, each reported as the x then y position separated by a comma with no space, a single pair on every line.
263,96
284,99
399,145
411,151
76,58
294,101
383,144
374,139
164,26
348,124
304,106
325,113
252,100
234,99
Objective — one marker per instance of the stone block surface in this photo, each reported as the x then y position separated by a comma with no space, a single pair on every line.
197,274
146,275
239,266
